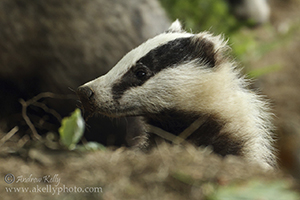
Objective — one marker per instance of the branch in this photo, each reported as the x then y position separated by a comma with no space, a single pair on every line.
34,101
9,135
35,134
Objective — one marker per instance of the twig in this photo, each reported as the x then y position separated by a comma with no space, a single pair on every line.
162,133
48,110
34,101
23,141
191,129
35,134
183,135
9,135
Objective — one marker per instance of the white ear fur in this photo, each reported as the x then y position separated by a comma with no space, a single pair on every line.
175,27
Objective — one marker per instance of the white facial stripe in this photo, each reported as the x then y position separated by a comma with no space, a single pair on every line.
130,58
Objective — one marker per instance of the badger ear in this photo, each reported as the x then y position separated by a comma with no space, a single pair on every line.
175,27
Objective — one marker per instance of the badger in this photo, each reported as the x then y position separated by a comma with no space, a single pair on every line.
178,78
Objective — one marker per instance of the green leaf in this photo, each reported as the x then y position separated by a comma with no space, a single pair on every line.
72,129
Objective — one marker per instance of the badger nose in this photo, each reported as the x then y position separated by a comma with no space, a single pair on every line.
85,95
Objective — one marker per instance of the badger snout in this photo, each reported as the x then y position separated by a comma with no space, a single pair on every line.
86,96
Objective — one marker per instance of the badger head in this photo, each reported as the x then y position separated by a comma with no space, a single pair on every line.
155,76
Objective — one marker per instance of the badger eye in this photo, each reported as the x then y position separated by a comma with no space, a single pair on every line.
141,73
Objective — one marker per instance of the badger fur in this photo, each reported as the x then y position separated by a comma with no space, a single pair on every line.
176,78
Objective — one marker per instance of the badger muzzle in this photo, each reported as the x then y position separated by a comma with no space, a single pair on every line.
87,98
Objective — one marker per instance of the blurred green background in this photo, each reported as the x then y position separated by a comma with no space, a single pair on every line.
217,17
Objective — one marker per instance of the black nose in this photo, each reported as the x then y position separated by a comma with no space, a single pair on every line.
85,95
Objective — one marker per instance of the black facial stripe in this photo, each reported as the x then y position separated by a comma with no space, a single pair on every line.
171,54
179,51
129,79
